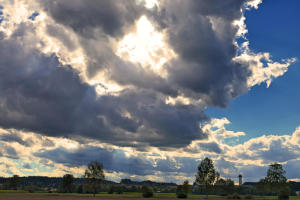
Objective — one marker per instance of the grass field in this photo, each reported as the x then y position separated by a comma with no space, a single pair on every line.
22,195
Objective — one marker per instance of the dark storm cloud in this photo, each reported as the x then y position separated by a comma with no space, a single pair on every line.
205,65
95,21
204,69
38,93
83,16
41,95
128,74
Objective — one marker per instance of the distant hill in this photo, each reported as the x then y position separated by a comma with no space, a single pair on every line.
129,182
55,182
250,183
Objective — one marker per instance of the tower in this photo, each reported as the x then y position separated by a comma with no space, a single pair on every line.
240,179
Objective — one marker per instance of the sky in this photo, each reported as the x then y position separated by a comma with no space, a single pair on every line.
149,88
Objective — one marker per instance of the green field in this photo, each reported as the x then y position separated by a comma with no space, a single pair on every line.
42,195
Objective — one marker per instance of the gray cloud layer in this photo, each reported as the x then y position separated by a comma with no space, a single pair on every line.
117,161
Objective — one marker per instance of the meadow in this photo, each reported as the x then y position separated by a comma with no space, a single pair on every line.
23,195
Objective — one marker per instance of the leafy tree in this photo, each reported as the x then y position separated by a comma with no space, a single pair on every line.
68,183
206,175
94,175
275,179
14,182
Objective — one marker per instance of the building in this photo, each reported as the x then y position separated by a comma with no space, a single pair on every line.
240,179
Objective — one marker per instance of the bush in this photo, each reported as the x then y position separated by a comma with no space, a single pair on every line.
147,191
234,196
111,189
284,193
119,190
183,190
248,196
80,189
180,193
31,188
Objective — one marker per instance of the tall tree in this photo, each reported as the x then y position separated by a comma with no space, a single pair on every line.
206,175
275,178
94,175
68,183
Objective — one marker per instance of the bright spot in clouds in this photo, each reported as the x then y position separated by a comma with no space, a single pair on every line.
145,46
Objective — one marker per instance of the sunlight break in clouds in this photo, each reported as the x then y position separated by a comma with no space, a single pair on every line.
146,46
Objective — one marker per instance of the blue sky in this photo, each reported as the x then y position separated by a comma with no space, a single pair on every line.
149,88
275,110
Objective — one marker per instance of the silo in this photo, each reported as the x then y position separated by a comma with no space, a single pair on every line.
240,179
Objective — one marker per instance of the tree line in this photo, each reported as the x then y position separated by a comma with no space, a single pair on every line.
207,181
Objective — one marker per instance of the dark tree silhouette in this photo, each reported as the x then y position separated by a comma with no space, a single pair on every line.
14,182
68,183
94,175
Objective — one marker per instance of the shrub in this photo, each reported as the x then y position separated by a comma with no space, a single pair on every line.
147,191
284,193
183,190
248,196
80,189
119,190
31,188
180,192
111,189
234,196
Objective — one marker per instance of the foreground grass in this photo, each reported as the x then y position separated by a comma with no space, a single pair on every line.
125,194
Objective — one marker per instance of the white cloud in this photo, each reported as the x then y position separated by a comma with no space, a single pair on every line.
262,67
253,3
